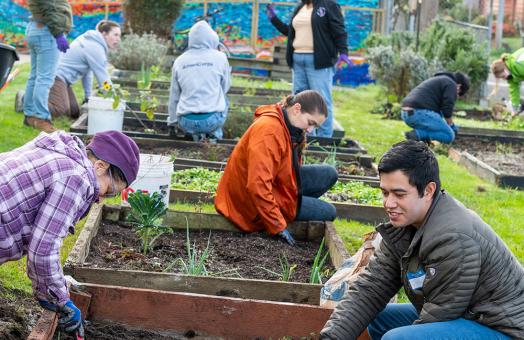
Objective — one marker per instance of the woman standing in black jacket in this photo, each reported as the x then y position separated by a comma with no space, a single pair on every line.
316,39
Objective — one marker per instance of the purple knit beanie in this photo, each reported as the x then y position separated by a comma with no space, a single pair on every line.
119,150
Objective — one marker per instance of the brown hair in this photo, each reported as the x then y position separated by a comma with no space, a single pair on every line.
105,26
310,101
497,68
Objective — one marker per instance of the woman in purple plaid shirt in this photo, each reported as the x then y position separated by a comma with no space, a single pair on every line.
46,186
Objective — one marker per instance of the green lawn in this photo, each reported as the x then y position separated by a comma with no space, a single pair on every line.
501,208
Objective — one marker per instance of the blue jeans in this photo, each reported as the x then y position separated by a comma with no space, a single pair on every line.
44,61
201,128
429,125
396,322
316,179
306,77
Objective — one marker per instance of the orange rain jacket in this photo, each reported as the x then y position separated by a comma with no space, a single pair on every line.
259,190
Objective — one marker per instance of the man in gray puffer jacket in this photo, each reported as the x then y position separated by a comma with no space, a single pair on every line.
462,280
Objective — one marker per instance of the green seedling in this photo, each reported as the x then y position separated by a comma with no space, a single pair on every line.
146,216
318,264
196,261
286,270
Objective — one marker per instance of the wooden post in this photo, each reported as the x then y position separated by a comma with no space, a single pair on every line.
106,5
254,23
205,10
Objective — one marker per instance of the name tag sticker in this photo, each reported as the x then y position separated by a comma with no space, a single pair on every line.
416,279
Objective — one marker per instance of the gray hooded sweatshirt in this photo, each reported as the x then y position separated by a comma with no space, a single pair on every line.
201,76
87,55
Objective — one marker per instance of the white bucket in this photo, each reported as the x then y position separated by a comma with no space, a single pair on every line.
102,116
154,175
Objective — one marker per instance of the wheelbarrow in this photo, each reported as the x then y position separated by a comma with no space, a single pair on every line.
8,56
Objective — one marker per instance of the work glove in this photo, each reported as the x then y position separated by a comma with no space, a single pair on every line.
344,58
70,317
270,11
61,43
455,128
286,236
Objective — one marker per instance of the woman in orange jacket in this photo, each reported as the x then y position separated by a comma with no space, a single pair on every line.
264,186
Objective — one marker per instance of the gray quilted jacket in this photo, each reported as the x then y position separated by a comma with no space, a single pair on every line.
469,273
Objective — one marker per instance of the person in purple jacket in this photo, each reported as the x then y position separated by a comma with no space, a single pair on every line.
46,186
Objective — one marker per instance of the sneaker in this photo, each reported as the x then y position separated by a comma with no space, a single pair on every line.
411,135
39,124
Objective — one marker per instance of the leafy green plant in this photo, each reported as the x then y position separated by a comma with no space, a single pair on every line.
355,191
286,270
200,179
397,71
146,216
138,51
115,92
319,261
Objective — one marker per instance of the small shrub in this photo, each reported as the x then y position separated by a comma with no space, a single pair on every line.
138,52
200,179
145,16
237,122
398,72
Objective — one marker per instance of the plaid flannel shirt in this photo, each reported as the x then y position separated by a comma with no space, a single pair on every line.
46,186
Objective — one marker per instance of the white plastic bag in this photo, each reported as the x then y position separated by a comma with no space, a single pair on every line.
336,286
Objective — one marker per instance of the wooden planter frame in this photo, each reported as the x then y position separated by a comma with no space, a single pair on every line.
229,318
351,211
219,286
485,171
498,135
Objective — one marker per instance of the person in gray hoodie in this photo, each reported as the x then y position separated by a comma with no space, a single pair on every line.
201,77
88,54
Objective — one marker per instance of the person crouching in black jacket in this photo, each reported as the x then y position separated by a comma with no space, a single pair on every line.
428,108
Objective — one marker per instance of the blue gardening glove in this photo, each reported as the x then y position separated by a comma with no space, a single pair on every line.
270,11
70,319
455,128
286,236
344,58
61,43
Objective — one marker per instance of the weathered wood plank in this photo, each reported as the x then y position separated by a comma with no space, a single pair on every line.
231,287
45,327
351,211
80,250
207,315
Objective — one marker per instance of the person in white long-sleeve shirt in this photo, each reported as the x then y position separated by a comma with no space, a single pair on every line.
88,55
201,77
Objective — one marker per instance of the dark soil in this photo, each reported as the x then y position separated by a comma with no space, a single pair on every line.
505,157
210,152
355,169
19,313
101,330
232,254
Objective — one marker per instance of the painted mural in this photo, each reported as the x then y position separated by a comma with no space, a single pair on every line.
233,23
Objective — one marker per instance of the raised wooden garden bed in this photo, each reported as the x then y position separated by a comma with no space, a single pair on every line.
131,313
308,234
351,211
499,163
496,135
